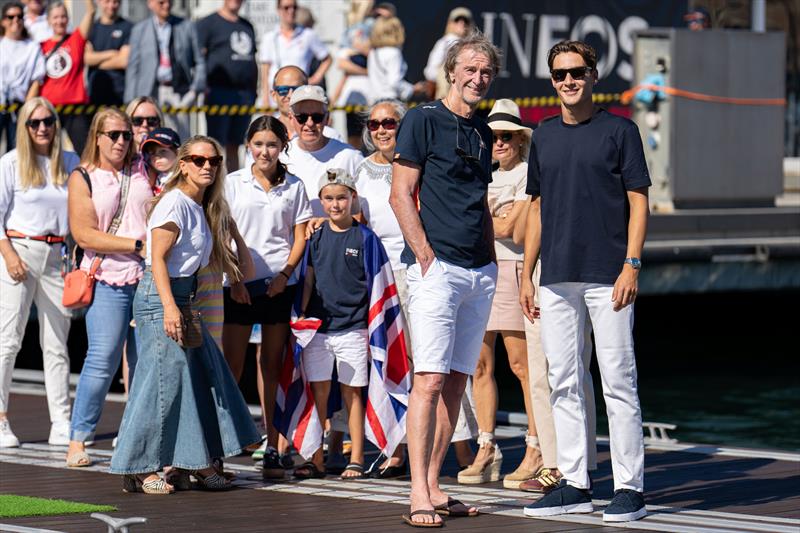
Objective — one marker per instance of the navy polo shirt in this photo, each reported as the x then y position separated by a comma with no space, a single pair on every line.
582,173
452,188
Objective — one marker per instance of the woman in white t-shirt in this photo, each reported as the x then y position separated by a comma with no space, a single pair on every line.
507,202
271,209
184,408
33,225
22,68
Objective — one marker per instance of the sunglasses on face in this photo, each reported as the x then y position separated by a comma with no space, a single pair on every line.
316,118
506,136
284,90
116,134
577,73
200,161
387,123
34,123
12,17
151,121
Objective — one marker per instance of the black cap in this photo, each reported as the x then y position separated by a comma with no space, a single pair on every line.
163,136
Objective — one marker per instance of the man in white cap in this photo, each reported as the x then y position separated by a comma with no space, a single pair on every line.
311,153
459,24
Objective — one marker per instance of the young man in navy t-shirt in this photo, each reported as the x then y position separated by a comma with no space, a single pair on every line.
588,182
440,178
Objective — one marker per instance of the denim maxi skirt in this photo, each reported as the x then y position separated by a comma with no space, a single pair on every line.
184,406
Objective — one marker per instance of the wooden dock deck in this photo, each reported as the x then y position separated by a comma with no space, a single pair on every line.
688,489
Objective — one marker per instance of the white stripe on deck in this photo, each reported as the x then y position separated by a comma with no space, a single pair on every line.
488,500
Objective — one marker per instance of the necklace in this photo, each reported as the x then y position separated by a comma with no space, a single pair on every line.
377,171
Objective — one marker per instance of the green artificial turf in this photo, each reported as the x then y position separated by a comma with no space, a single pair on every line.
12,506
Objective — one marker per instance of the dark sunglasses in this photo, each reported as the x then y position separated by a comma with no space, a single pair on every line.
316,118
199,161
284,90
506,137
577,73
12,17
116,134
151,121
34,123
387,123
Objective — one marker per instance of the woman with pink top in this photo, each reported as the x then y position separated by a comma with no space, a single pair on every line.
104,187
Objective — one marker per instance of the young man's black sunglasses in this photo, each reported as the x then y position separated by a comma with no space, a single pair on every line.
577,73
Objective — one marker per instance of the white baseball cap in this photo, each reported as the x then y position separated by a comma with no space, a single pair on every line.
303,93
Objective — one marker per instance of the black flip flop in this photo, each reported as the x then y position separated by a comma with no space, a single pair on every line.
353,467
312,471
408,519
446,509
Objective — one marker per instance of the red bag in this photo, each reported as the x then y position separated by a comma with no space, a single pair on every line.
79,287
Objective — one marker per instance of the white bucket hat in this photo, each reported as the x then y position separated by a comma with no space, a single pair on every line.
504,116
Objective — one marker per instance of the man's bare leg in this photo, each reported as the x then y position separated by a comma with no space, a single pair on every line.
421,428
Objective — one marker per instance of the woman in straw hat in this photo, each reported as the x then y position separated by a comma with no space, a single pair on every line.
507,202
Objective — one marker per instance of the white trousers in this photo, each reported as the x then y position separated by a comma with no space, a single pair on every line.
565,310
43,287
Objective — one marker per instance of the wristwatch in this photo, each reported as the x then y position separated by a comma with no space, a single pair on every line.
634,262
138,245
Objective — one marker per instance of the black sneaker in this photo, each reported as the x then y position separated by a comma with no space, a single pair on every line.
627,505
561,500
271,465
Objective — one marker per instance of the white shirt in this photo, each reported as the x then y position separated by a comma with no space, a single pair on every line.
327,131
35,211
386,69
266,219
310,166
437,56
21,64
374,183
38,29
192,249
507,187
298,50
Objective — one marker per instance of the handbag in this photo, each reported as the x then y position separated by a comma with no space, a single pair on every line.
192,327
79,284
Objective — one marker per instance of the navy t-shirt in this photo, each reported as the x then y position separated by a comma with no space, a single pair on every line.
107,87
582,173
230,52
340,296
452,188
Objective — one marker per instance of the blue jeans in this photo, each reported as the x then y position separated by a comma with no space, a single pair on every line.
107,328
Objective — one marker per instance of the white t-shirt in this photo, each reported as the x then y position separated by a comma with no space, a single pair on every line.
21,64
298,50
192,249
310,166
266,219
506,188
386,70
35,211
437,56
374,183
39,29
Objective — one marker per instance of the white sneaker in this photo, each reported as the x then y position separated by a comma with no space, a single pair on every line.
59,433
7,437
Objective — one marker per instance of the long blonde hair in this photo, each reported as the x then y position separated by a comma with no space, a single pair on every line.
215,207
91,152
30,173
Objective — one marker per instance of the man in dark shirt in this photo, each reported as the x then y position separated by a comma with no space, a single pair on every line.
588,182
106,55
228,44
441,172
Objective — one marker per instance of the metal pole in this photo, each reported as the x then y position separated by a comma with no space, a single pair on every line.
758,15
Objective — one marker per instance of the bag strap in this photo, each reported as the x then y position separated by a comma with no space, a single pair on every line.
56,47
86,178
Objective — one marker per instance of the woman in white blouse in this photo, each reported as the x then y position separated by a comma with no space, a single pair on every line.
33,215
386,68
21,68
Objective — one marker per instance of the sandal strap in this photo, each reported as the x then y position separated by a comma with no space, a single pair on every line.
155,485
428,512
356,467
532,441
485,439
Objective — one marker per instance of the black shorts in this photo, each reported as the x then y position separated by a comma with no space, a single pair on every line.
263,310
229,128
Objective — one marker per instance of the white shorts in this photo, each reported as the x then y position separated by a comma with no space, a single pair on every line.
348,349
448,310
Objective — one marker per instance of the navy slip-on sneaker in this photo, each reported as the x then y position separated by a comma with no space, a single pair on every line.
626,506
563,499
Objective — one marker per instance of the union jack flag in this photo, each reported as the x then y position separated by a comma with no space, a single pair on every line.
390,375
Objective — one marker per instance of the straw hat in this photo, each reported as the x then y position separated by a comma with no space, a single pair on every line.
504,116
